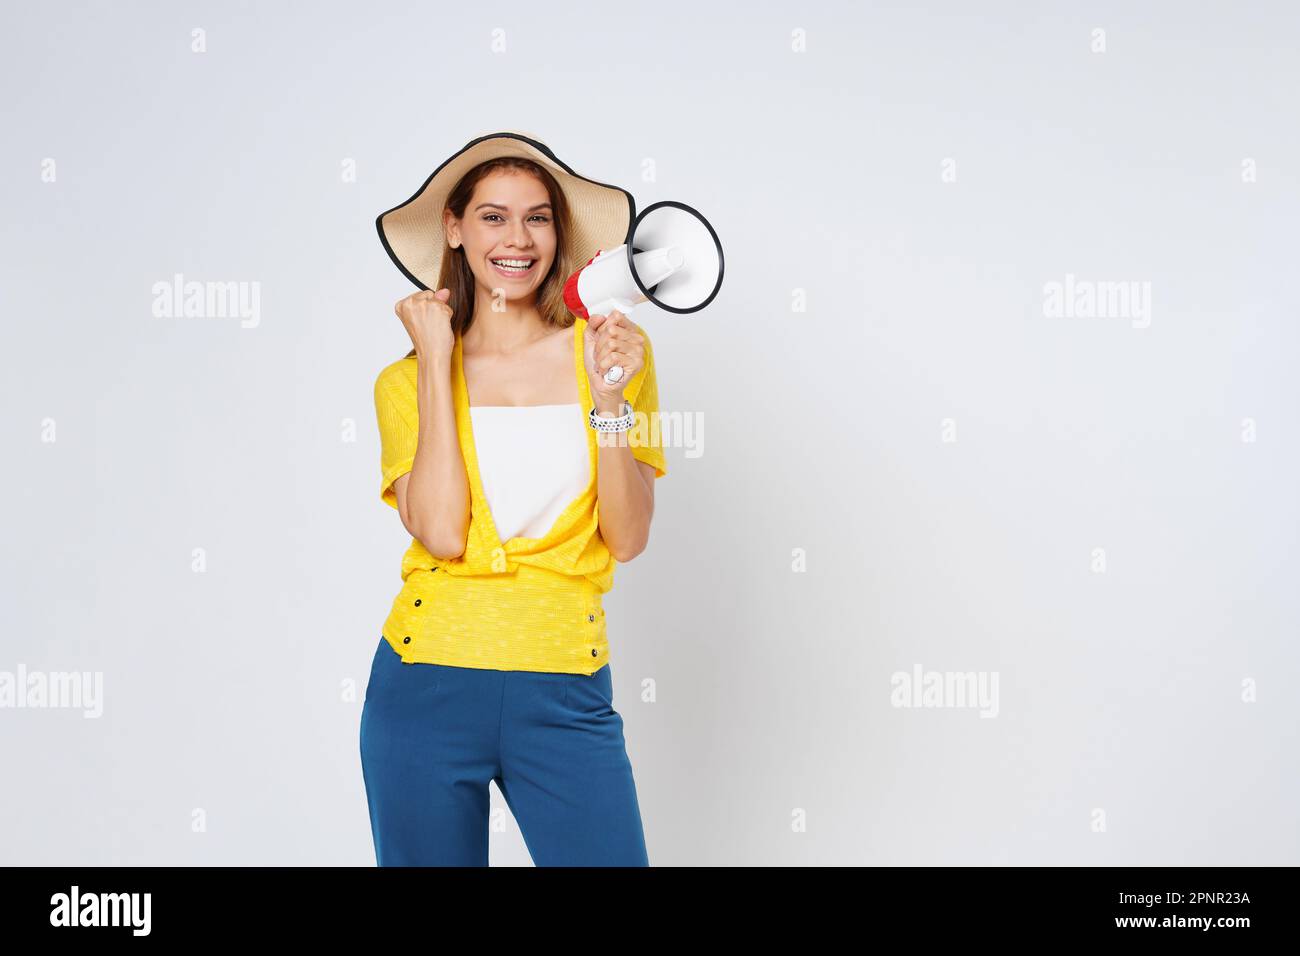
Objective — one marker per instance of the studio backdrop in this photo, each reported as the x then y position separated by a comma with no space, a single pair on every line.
978,542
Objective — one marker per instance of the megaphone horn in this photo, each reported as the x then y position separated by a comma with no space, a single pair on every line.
672,257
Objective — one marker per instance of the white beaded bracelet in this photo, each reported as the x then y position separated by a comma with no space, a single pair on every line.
621,424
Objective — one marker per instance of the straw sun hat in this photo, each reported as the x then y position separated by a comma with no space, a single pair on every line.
412,232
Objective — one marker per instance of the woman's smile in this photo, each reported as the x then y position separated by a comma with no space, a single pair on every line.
513,268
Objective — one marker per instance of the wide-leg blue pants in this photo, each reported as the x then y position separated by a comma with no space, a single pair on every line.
434,736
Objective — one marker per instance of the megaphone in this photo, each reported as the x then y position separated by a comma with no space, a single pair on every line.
672,257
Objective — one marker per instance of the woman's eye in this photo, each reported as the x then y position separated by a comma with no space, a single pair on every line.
492,215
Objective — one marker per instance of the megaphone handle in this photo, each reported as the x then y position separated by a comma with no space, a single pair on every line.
614,374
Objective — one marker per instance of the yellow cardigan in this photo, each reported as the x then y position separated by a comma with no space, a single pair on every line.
525,604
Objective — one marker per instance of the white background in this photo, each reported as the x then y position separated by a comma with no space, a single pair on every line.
1120,693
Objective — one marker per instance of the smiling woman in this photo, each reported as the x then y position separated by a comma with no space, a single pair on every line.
494,657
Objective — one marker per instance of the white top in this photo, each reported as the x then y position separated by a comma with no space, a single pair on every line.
533,461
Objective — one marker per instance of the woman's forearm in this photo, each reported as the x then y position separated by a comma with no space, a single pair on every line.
625,501
437,493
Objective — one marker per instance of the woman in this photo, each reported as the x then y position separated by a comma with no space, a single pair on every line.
500,437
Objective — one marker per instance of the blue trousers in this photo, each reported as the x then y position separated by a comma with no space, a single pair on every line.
434,736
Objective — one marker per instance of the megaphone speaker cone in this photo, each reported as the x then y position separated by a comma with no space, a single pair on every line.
683,262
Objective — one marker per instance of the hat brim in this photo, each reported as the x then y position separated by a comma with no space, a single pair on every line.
412,232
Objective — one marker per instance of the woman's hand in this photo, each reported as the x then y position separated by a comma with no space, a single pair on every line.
427,318
611,340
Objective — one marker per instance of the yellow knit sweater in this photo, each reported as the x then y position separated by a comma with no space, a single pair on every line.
525,604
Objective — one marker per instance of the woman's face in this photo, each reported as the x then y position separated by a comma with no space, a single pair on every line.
508,218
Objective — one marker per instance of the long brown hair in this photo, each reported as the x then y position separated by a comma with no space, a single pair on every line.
455,273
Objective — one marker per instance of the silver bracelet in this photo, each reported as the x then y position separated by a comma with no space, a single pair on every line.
620,424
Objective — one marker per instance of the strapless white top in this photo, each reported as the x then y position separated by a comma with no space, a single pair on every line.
533,461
